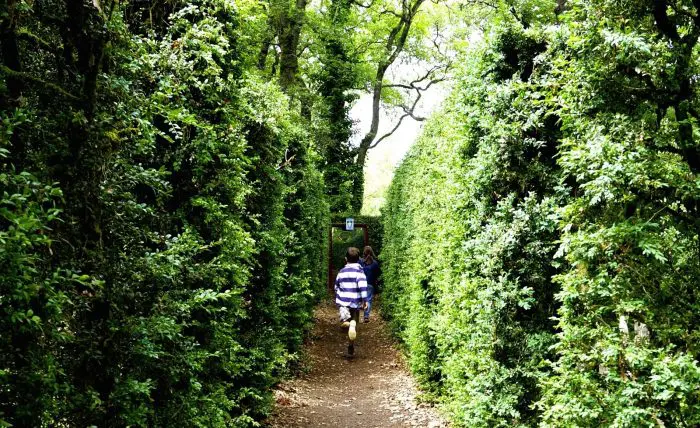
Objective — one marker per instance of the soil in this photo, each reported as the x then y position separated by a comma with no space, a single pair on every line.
371,389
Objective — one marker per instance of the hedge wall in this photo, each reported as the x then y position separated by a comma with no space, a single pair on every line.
470,225
541,244
162,219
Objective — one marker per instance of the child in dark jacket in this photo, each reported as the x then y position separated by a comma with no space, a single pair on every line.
370,266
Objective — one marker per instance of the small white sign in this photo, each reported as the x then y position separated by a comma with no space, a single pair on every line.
349,223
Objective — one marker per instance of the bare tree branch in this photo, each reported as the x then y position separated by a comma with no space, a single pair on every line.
408,112
364,6
391,12
393,47
388,134
287,161
484,3
518,18
427,76
28,78
303,49
365,47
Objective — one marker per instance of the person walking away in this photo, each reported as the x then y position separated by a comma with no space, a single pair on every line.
370,266
351,294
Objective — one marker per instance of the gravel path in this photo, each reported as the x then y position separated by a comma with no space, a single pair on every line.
373,389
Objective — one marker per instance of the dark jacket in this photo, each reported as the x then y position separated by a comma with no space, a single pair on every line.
372,272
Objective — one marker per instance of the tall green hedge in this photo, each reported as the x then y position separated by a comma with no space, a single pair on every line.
470,225
541,239
162,219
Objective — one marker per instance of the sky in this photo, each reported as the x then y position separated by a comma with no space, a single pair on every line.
383,159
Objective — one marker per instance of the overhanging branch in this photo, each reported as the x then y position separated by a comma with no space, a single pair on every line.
408,112
26,77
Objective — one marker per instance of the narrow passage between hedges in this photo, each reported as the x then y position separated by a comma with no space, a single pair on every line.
374,389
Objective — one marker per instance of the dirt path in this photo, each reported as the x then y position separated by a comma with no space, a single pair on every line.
373,389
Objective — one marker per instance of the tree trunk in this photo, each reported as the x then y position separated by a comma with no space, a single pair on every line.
267,42
393,47
336,82
359,185
560,8
10,52
86,27
11,60
262,55
291,23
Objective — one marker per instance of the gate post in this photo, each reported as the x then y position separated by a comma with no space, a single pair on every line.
330,259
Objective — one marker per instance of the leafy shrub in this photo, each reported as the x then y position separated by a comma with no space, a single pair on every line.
161,225
470,227
541,243
627,346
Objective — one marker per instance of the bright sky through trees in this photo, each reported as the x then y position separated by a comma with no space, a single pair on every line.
383,159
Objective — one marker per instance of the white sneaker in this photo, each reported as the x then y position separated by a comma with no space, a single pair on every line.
345,324
352,333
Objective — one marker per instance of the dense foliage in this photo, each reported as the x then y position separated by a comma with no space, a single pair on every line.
168,169
167,173
541,246
162,218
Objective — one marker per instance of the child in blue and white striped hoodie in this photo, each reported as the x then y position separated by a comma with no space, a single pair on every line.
351,294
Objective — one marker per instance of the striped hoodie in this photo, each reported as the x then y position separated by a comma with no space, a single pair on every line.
351,286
